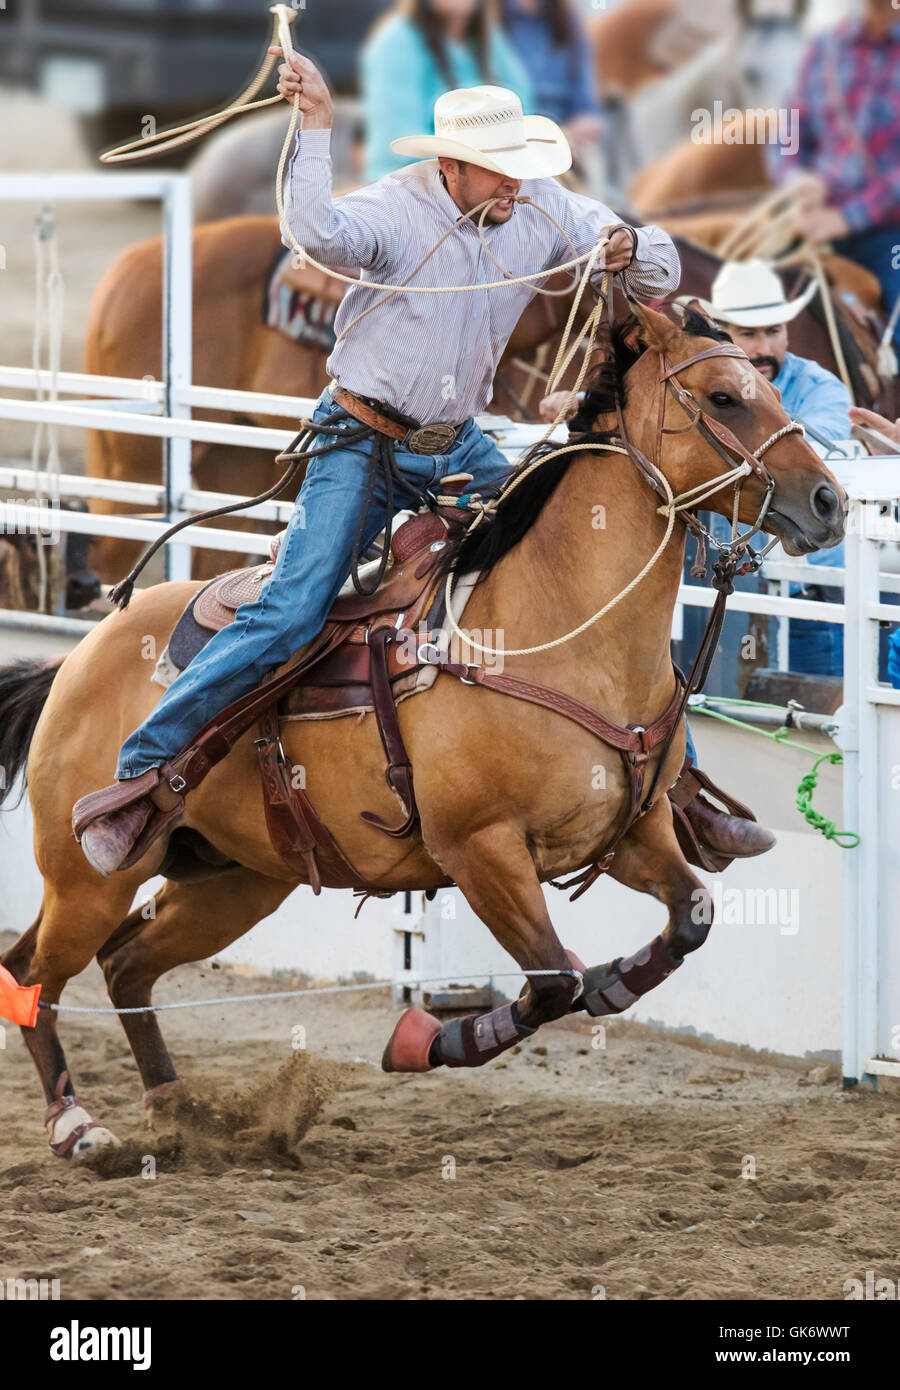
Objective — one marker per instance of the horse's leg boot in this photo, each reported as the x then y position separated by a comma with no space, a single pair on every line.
478,1038
613,988
410,1042
709,836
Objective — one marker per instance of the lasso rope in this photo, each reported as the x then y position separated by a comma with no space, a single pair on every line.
48,322
171,139
601,612
282,19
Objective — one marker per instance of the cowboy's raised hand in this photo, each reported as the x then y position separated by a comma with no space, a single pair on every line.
298,77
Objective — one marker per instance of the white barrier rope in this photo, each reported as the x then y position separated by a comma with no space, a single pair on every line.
304,993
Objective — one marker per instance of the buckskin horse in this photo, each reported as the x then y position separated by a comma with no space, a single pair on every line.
506,776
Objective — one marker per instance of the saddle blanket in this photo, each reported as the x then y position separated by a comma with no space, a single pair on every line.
302,302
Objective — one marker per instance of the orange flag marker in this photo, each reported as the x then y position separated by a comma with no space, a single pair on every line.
18,1003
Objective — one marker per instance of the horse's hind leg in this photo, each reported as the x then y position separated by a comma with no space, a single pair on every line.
649,859
191,921
496,873
68,931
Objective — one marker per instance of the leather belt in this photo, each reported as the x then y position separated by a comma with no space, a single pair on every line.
433,438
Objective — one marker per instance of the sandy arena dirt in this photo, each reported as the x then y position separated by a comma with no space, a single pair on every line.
285,1173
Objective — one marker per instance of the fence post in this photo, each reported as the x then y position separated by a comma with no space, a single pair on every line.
848,741
177,355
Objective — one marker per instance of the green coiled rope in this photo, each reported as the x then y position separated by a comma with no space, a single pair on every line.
846,839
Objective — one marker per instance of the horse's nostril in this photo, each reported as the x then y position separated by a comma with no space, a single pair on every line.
825,503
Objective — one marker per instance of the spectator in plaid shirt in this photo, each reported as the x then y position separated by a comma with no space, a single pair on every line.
849,136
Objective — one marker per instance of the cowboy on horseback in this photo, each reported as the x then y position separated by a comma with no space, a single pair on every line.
421,369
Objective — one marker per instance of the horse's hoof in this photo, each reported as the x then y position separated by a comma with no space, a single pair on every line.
410,1042
73,1134
97,1138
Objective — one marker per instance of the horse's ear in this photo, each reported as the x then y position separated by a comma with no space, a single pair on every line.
700,325
656,331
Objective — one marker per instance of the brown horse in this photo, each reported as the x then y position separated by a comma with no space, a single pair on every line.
509,795
233,349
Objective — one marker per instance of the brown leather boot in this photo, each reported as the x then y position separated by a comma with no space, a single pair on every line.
711,837
117,825
734,837
109,839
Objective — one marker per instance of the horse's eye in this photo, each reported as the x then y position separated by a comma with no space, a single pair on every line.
721,398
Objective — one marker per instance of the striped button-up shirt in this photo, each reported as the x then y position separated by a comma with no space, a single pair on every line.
433,356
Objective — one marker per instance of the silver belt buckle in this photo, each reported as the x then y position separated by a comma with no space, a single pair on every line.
432,439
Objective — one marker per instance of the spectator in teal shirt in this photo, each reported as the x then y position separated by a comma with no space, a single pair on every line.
420,49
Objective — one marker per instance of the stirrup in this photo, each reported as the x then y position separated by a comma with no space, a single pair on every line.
161,785
690,783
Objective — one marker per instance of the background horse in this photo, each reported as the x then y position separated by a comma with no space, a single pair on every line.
509,795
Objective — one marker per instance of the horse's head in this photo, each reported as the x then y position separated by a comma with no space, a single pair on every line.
696,407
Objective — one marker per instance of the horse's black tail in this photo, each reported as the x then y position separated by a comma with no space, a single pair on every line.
24,687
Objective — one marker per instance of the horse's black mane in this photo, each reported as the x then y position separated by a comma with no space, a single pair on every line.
486,546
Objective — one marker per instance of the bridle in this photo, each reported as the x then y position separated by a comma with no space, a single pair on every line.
725,443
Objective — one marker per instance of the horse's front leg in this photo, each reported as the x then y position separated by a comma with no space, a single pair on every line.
495,871
649,859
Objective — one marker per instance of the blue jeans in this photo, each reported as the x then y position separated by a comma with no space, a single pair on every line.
313,562
877,250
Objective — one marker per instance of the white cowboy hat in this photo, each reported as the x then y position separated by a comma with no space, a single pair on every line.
750,295
486,126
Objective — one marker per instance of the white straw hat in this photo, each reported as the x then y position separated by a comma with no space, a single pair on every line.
486,126
750,295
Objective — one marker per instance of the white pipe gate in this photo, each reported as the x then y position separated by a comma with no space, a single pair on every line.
869,733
